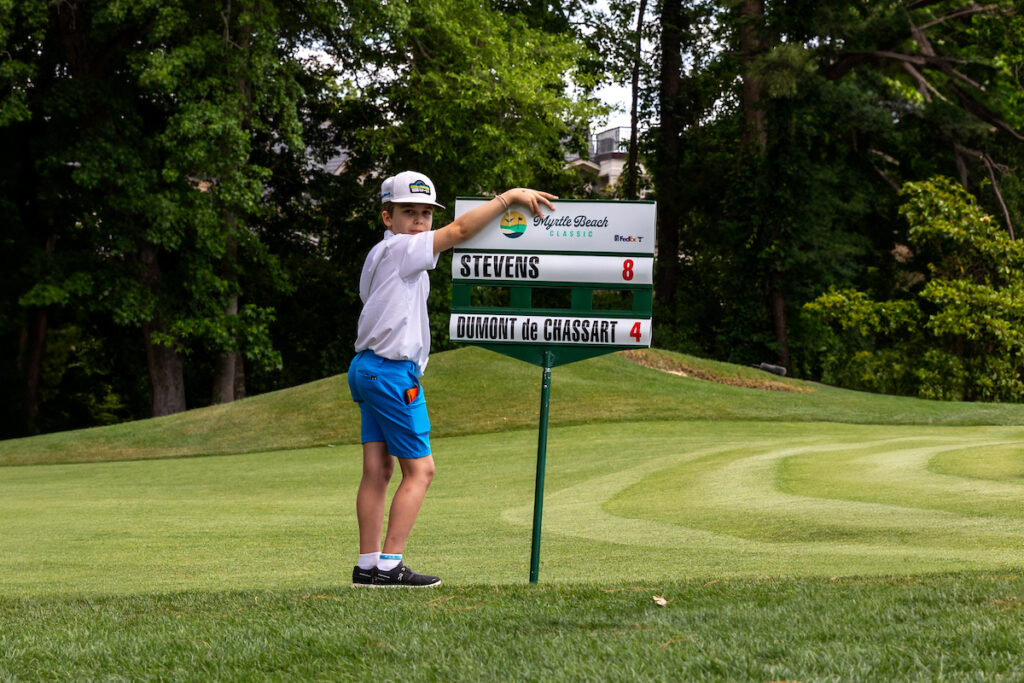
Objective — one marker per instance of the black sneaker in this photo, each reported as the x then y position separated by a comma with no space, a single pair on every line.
402,576
363,577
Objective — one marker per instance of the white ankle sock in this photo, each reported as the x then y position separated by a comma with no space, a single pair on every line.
388,562
368,560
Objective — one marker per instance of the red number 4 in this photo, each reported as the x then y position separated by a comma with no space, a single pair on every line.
635,332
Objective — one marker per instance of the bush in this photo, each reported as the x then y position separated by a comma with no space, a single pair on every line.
958,334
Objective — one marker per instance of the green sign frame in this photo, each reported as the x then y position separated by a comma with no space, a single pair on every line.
581,296
549,354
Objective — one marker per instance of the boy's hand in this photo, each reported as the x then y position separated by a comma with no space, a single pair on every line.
474,220
531,198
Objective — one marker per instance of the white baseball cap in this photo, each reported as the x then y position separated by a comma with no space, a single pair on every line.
409,187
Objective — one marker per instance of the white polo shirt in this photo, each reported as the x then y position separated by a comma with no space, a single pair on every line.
394,286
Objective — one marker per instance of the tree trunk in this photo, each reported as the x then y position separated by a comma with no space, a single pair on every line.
228,371
224,368
755,137
166,374
778,308
632,170
669,210
751,45
166,366
239,376
224,375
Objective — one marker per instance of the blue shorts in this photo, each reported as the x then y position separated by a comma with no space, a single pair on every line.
394,409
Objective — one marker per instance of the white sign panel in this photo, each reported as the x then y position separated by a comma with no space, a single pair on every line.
627,270
536,329
574,226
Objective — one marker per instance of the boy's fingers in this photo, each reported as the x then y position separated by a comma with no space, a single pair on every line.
538,198
534,198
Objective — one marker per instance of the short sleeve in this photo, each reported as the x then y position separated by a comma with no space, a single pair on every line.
415,254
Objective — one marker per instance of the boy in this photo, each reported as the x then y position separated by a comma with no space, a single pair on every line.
392,349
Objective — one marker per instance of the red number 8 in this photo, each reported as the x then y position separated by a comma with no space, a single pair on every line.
627,269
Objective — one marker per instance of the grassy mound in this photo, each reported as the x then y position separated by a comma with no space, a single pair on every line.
471,391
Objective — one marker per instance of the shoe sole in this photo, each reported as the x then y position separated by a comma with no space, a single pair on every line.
405,585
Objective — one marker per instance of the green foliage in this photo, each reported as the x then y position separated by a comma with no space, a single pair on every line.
477,99
848,102
161,169
960,335
145,148
854,333
21,31
80,382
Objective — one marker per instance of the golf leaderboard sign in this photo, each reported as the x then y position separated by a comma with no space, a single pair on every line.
575,284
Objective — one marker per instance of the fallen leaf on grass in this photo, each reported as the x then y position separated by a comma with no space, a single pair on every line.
1006,603
438,601
660,600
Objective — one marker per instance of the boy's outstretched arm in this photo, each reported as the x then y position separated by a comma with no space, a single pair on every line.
473,221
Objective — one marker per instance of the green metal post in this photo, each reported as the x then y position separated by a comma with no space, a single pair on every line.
542,448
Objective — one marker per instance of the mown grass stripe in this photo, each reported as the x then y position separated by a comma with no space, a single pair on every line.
703,498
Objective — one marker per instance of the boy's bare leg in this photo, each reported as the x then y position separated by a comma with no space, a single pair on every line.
371,499
405,506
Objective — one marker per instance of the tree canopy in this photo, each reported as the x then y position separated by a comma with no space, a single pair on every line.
189,189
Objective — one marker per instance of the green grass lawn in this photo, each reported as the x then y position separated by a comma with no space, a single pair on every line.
964,627
815,534
710,499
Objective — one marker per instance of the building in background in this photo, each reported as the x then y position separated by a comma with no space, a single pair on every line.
606,159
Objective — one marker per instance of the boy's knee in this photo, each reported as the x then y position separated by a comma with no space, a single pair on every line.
380,472
420,470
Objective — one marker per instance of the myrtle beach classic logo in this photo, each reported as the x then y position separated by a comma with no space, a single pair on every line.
571,226
419,187
513,224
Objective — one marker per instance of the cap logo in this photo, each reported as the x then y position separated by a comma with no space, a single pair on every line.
419,187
